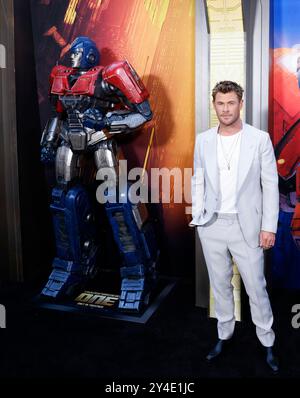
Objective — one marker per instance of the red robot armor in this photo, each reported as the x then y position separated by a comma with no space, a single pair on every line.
84,85
122,76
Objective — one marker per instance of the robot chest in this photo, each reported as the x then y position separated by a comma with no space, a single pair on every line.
84,85
79,102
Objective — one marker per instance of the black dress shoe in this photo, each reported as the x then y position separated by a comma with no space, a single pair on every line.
217,350
272,360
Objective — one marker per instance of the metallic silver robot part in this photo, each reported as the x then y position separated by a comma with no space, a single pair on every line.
76,58
66,164
51,131
94,136
105,157
77,140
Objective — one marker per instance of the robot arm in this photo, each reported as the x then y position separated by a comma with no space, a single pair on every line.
51,132
126,120
50,138
121,80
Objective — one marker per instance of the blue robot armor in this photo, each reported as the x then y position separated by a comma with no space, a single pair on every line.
84,51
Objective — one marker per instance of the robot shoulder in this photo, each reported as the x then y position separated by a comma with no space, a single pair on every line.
58,70
123,77
58,75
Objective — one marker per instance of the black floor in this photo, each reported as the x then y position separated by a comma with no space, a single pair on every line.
41,343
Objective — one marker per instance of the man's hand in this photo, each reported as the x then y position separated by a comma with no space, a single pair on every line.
266,239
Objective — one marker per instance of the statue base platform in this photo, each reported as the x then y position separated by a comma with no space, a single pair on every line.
103,301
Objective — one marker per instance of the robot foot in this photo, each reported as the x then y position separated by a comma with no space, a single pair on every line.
62,283
134,295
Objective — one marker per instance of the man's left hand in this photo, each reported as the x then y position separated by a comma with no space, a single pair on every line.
266,239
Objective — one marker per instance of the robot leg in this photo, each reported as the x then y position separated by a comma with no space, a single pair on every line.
74,229
135,238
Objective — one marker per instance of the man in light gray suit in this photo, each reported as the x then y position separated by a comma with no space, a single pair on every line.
235,204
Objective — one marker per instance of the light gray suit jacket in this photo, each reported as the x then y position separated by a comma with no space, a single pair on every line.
257,183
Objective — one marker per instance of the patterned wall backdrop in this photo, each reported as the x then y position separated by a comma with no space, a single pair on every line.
284,126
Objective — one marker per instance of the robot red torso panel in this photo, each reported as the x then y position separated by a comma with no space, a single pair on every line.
84,85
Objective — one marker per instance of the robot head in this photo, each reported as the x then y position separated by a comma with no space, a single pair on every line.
84,53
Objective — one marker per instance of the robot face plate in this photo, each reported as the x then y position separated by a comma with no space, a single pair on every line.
76,57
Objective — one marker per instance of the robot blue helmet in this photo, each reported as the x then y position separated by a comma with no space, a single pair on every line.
90,55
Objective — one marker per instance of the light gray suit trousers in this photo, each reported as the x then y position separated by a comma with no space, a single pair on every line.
221,237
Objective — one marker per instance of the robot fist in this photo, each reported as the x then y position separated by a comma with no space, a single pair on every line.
48,154
93,119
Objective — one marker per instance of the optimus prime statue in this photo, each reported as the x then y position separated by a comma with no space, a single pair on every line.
91,104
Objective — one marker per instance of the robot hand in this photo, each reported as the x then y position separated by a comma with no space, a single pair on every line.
48,154
93,119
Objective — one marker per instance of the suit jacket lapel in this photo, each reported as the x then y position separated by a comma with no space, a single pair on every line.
246,156
211,159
